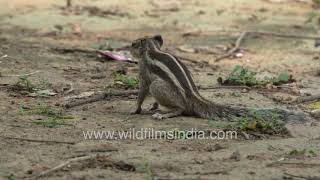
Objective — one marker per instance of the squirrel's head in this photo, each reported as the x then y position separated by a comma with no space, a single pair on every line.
139,46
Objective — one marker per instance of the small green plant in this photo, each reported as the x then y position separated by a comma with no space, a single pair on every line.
25,84
316,2
281,79
126,81
148,171
296,153
311,17
262,122
51,123
146,168
8,176
11,177
53,116
43,84
243,76
312,153
301,153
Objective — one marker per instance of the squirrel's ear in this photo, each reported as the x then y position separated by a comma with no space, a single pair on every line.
159,39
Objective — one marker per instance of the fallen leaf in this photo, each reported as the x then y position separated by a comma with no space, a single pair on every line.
118,56
315,105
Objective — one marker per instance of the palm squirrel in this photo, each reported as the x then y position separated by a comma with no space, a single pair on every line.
170,82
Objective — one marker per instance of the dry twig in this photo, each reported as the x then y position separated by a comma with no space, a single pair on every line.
245,33
76,49
224,87
235,48
264,33
97,160
38,140
293,36
64,164
99,96
17,75
307,98
296,164
303,177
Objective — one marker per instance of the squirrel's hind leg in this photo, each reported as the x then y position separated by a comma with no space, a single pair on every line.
168,97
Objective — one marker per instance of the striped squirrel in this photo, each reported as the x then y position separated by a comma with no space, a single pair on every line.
170,82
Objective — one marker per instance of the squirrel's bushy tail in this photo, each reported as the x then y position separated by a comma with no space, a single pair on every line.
209,110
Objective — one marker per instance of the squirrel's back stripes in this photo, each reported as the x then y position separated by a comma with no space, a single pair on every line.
174,67
163,71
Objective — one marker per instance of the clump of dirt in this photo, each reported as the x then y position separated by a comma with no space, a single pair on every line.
102,162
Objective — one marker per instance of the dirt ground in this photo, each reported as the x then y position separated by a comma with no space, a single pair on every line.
32,32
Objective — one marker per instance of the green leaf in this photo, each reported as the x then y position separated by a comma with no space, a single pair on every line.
284,77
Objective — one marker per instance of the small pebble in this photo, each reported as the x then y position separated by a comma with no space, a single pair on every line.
235,156
316,113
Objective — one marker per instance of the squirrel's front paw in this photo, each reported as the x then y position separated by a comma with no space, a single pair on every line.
155,106
158,116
